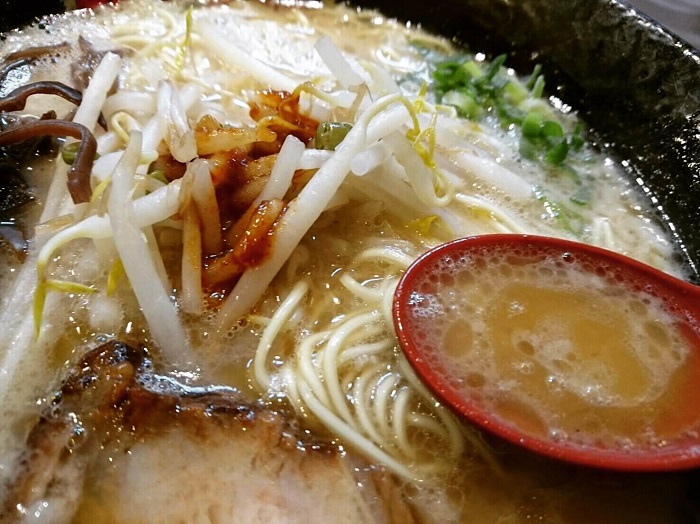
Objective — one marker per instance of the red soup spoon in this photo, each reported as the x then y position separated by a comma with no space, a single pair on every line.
568,350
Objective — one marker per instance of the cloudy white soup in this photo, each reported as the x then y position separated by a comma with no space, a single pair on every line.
197,283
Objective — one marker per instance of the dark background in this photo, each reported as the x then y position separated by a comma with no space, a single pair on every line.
14,13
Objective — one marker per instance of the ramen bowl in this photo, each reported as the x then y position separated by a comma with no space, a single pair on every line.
635,86
634,82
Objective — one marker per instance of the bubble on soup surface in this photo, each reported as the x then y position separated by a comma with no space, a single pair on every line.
558,435
637,307
563,366
505,270
656,332
524,368
458,338
104,314
447,279
525,347
425,305
516,308
475,380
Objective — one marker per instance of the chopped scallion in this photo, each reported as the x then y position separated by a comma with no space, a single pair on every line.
466,105
329,135
515,92
532,124
472,69
528,149
538,87
70,151
552,131
158,175
479,90
536,73
557,154
576,141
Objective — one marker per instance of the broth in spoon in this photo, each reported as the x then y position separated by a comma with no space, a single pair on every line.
569,350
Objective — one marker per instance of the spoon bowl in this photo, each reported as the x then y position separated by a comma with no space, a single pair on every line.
568,350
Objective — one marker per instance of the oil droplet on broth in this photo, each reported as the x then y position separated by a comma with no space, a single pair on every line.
559,352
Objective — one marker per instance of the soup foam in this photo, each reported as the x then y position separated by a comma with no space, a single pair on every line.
555,348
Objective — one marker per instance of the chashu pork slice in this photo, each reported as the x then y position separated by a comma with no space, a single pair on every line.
123,444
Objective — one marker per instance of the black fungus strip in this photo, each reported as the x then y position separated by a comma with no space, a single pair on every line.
17,99
79,172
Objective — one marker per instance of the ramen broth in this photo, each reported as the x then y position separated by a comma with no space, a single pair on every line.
558,351
334,343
